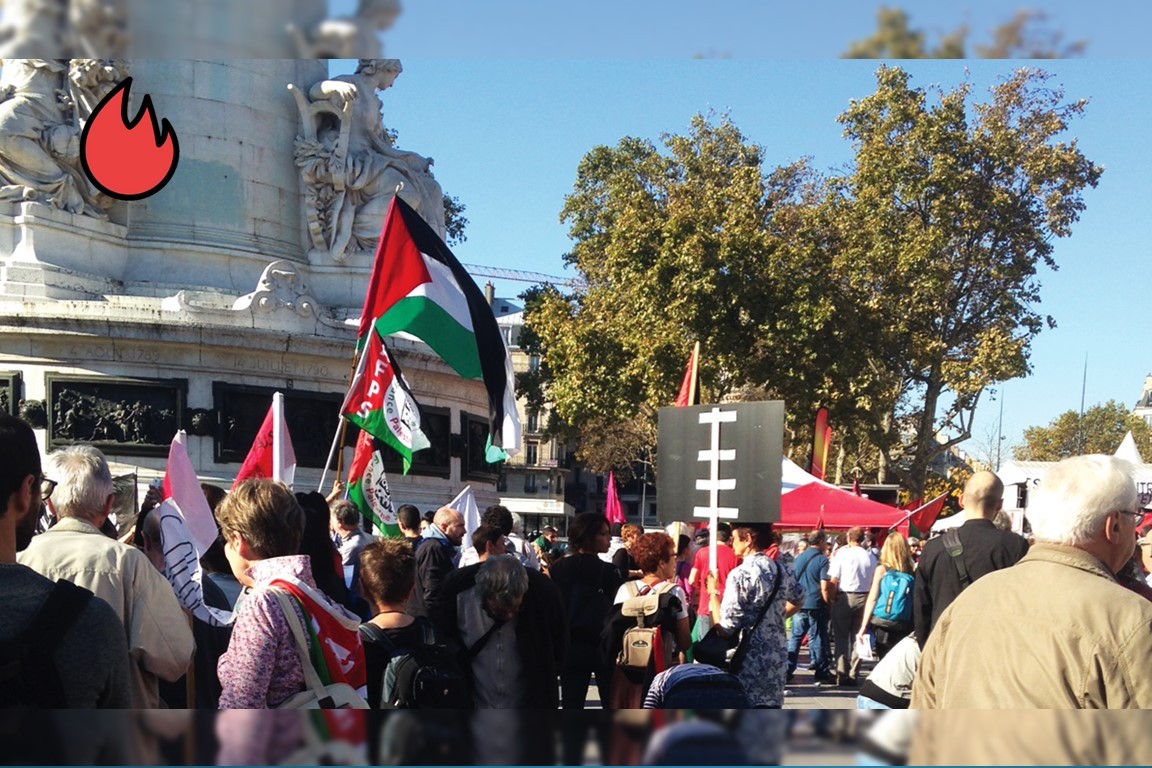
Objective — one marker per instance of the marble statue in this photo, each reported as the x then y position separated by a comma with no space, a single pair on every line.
349,37
44,104
350,167
64,28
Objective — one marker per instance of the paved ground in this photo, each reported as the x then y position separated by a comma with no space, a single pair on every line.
803,693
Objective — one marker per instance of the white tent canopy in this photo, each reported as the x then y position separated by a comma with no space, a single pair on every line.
792,477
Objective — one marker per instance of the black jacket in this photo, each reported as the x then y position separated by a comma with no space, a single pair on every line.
937,583
434,562
588,586
541,632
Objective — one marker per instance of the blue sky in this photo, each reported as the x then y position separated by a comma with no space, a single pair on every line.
507,134
737,28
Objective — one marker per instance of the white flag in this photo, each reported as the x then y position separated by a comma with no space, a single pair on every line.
465,504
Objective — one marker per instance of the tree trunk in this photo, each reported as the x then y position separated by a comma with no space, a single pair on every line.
840,464
883,448
925,439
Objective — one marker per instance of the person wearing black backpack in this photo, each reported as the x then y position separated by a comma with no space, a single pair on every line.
387,576
587,586
510,622
60,647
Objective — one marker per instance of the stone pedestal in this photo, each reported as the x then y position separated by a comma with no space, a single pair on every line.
181,305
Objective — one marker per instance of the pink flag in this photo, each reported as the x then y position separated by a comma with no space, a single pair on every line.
271,455
187,529
182,486
612,510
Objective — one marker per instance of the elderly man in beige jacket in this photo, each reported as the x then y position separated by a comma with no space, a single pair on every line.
159,638
1054,631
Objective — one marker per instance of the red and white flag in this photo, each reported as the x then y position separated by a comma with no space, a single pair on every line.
187,530
271,455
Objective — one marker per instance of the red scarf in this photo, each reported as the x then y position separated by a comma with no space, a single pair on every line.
334,631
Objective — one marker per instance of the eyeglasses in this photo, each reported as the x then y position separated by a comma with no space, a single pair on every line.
46,488
1139,515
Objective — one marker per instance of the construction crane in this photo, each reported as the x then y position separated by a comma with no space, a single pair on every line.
500,273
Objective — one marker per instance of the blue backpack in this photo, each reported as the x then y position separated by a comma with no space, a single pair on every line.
894,603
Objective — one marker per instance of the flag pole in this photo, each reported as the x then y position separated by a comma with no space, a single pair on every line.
693,386
277,445
341,432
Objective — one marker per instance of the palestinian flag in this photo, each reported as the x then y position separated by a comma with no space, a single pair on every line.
418,287
368,487
380,403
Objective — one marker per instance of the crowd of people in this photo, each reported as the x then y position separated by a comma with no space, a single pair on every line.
326,614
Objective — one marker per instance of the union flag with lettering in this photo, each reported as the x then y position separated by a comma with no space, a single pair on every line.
380,403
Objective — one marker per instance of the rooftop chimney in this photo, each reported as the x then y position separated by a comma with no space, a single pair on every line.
489,292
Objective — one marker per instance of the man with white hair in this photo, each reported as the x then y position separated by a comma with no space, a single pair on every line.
1055,631
510,620
159,639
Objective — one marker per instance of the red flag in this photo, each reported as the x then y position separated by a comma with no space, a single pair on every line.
924,517
612,509
689,389
271,455
856,486
821,438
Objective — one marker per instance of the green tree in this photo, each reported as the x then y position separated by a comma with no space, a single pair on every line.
935,235
675,244
454,220
1027,35
1100,430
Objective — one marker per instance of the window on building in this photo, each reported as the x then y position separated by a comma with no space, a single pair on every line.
534,422
530,483
534,363
531,454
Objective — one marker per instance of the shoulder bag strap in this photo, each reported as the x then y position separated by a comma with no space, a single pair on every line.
747,636
311,677
478,646
951,540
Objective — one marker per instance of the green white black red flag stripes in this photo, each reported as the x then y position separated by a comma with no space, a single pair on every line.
368,487
380,403
418,287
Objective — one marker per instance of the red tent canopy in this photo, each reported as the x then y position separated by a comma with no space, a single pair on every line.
801,510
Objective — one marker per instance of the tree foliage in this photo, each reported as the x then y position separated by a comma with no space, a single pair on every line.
1027,35
454,220
1101,430
677,243
893,292
937,233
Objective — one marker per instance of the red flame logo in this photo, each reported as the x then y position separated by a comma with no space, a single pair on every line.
124,158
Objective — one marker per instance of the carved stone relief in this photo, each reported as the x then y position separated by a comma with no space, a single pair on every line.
44,104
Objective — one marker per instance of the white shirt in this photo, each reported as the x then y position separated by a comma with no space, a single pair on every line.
852,568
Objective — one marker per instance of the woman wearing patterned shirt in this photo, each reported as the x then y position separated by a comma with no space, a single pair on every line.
749,585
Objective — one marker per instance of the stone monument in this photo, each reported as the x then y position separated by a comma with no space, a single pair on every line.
121,322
